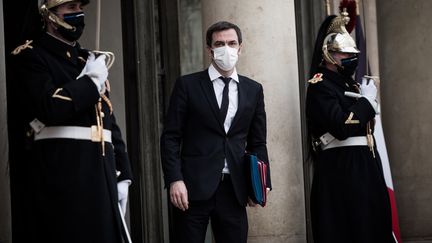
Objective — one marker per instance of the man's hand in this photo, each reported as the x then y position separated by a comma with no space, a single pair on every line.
123,191
368,88
369,91
251,203
178,195
96,69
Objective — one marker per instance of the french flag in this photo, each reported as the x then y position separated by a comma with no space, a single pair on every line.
382,150
379,134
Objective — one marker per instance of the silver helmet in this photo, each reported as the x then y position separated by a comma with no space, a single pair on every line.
45,7
338,39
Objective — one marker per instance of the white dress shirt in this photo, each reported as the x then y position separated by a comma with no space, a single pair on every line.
218,86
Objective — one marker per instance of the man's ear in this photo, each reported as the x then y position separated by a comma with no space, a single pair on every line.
209,52
240,49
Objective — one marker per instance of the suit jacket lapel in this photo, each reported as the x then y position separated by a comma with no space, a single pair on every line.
207,86
242,98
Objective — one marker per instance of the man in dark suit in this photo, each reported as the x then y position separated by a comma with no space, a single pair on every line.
214,116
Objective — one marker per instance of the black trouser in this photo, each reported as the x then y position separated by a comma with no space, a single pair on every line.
228,218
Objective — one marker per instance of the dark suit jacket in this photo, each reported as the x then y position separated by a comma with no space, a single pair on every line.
194,142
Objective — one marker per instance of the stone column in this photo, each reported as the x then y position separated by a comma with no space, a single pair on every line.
269,55
5,210
404,46
368,15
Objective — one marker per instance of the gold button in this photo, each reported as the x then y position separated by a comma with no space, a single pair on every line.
68,54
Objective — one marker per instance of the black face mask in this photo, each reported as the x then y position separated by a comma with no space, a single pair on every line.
76,20
349,66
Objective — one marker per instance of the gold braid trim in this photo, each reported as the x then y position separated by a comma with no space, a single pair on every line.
105,98
370,139
350,119
22,47
97,130
56,95
107,86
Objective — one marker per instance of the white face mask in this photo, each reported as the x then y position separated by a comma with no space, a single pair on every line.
225,57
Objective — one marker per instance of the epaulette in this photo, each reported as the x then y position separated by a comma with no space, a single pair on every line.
316,78
22,47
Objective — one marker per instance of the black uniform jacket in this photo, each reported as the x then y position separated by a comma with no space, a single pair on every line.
349,201
194,143
73,187
328,108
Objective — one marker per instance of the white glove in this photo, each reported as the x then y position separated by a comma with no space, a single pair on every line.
83,71
123,190
369,91
96,70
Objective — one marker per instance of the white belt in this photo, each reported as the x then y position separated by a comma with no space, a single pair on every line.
71,132
351,141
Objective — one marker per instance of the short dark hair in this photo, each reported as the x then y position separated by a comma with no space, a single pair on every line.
219,26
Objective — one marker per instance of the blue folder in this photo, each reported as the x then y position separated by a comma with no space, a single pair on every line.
257,172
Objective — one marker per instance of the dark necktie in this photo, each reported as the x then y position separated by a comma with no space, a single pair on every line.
225,101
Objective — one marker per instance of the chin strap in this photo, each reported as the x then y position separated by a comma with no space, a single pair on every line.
327,56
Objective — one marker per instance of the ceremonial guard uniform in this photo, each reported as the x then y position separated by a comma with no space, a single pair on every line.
349,201
76,150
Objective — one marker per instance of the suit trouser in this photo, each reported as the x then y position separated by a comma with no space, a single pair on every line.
228,218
